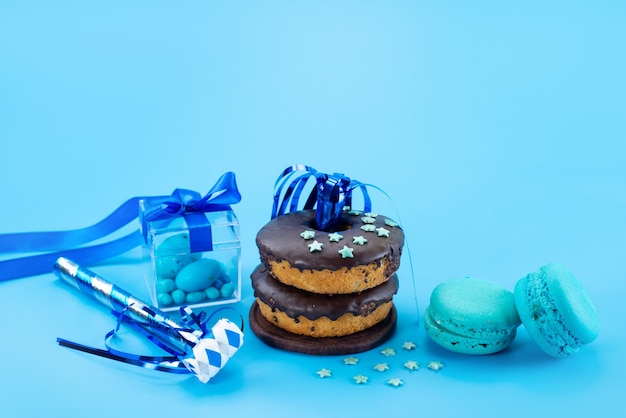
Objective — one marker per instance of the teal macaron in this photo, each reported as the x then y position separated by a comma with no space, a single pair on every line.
556,310
471,316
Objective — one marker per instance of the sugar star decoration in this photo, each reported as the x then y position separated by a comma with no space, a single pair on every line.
368,220
368,228
355,212
307,234
371,214
381,367
335,237
360,379
388,352
382,232
408,345
390,223
412,365
360,240
350,360
324,373
395,382
346,252
315,246
435,365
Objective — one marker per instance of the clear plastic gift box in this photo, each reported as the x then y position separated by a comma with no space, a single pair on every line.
176,276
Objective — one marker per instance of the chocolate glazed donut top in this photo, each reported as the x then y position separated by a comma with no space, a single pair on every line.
368,237
295,302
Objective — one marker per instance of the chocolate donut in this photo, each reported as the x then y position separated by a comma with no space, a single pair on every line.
319,315
361,255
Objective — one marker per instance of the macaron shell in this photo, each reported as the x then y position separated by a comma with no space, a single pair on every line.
462,344
474,308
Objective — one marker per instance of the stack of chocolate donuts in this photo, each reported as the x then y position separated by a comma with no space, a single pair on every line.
326,292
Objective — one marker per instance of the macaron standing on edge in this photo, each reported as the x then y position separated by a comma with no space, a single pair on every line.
556,310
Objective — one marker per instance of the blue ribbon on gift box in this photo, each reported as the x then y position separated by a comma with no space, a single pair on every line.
54,244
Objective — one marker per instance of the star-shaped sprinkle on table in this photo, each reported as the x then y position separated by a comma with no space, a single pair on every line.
412,365
324,373
388,352
360,240
435,365
408,345
315,246
335,237
381,367
360,379
395,382
346,252
382,232
307,234
350,360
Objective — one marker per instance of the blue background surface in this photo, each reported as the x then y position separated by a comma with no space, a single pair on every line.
497,128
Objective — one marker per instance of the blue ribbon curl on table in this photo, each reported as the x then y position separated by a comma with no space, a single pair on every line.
55,244
330,195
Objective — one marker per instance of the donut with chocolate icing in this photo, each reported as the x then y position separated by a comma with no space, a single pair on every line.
362,254
318,315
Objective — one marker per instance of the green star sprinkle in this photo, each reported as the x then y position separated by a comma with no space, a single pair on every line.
368,228
412,365
360,240
315,246
360,379
350,360
346,252
355,212
390,223
324,373
371,214
388,352
307,234
335,237
368,220
395,382
382,232
408,345
381,367
435,365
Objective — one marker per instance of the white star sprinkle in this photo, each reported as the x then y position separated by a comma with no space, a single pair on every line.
360,240
388,352
395,382
350,360
381,367
307,234
435,365
382,232
412,365
315,246
368,220
335,237
408,345
346,252
324,373
360,379
368,228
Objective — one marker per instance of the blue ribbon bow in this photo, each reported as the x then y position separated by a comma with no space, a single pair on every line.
330,195
192,206
57,244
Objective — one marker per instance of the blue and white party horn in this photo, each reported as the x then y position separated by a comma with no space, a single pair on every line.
202,352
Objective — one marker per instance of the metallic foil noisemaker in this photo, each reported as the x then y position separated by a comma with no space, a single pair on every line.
201,351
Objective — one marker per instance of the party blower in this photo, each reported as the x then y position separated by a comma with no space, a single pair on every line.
200,351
